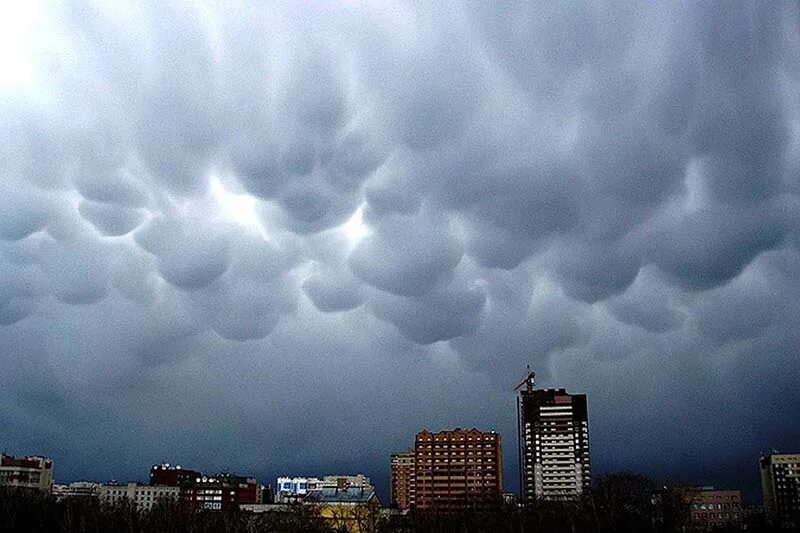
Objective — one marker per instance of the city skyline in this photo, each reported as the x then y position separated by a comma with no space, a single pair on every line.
531,404
281,238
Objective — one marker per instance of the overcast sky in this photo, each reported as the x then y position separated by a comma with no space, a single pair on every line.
282,240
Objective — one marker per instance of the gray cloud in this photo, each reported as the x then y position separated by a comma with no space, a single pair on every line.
443,313
332,290
407,256
271,226
110,219
191,254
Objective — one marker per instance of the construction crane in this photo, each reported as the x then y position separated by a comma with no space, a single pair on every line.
528,381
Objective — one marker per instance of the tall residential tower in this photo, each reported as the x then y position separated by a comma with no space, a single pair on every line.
553,443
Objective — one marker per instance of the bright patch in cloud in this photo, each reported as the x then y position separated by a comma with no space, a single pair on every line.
355,229
238,208
17,22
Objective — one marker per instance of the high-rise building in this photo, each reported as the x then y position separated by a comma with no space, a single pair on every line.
780,483
401,487
32,472
553,443
457,470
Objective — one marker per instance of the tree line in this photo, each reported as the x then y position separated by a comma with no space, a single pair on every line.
619,503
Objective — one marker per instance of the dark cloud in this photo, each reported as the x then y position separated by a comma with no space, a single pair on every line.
648,304
230,231
708,247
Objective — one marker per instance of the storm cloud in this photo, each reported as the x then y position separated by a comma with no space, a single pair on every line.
286,238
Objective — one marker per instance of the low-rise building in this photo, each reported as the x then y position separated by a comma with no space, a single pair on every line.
213,493
344,482
31,472
78,489
258,508
295,488
355,510
290,488
143,496
222,492
710,509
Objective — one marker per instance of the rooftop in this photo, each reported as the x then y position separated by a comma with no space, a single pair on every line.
333,495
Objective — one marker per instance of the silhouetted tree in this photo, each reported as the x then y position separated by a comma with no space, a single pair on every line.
621,502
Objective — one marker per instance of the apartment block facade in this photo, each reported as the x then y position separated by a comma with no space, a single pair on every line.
456,470
221,492
77,489
780,484
401,483
345,482
290,487
30,472
712,509
553,444
144,497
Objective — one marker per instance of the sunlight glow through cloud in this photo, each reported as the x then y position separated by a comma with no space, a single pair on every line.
17,23
355,229
238,208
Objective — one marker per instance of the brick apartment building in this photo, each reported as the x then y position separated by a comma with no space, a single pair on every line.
457,470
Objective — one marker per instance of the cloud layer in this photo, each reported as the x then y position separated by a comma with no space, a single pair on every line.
233,232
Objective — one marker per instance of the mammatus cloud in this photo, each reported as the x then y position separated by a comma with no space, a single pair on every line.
212,210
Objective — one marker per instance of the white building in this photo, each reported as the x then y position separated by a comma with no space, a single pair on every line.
554,444
291,488
32,472
78,489
288,487
143,496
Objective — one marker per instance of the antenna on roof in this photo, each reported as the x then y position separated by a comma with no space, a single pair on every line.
530,377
